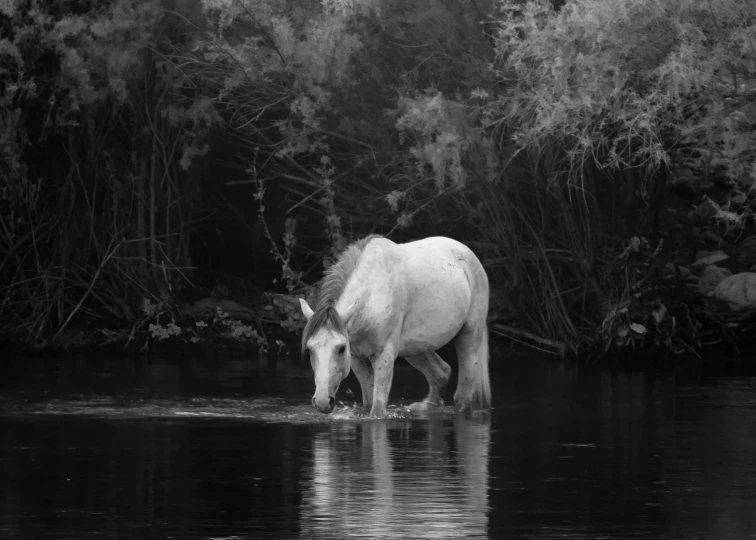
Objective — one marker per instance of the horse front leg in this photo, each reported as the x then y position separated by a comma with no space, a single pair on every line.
363,370
383,374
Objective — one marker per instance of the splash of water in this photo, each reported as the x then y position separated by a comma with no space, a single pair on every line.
266,409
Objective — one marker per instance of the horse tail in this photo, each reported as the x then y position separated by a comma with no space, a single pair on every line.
481,398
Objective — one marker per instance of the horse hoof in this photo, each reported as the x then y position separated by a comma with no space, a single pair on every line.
462,406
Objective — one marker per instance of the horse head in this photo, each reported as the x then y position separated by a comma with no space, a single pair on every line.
326,341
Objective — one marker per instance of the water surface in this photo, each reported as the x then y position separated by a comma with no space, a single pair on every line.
231,449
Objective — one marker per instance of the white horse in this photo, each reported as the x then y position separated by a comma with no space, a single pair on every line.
381,300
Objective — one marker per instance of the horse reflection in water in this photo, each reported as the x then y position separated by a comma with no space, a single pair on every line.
382,300
399,479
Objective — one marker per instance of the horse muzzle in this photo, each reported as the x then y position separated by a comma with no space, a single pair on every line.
324,405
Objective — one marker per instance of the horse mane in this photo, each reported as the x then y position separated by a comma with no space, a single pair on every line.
330,289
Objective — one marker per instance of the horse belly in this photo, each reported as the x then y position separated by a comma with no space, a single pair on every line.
436,311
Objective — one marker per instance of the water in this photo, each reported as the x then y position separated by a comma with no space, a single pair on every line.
231,449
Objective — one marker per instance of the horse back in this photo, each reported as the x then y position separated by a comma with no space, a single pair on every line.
421,291
437,281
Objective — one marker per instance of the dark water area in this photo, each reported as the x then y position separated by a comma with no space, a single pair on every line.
231,449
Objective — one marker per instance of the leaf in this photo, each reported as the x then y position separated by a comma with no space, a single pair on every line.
738,291
638,328
659,313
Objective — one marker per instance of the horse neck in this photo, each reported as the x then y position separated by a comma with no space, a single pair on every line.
353,295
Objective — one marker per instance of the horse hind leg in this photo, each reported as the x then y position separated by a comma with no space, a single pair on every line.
437,374
474,386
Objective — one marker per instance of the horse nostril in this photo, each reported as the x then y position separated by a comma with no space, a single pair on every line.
331,402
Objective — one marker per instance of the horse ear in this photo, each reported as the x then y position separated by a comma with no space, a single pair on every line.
306,309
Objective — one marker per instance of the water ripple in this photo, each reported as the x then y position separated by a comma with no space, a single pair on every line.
267,409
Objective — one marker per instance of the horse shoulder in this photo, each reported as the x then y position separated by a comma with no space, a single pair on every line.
375,287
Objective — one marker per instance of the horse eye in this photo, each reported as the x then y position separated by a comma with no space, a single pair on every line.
341,349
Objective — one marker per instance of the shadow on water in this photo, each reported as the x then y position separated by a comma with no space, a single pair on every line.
227,449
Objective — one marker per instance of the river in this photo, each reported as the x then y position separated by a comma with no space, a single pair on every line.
231,449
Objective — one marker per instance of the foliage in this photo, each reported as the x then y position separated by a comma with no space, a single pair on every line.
222,324
273,68
286,312
622,83
314,123
597,92
496,124
97,164
536,135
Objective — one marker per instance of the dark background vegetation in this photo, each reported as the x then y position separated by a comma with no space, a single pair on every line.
166,163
